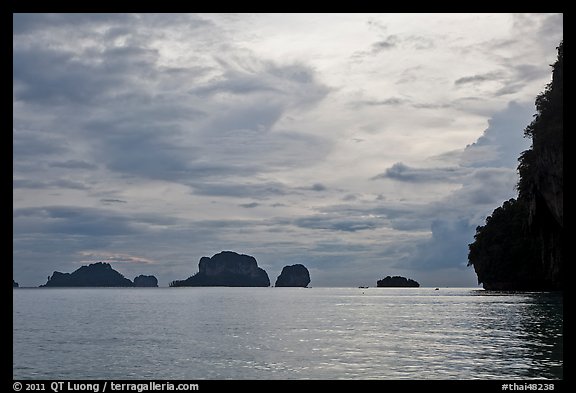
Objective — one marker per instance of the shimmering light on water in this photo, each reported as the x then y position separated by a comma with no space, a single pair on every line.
285,333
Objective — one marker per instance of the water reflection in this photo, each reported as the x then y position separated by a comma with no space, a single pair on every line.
256,333
541,326
531,328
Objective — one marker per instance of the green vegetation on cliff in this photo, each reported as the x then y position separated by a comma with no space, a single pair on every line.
520,246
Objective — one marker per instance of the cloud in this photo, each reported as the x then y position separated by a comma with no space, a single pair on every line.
64,79
388,43
318,187
166,137
249,205
26,23
150,126
336,223
402,172
28,144
108,201
76,221
502,142
242,73
392,101
74,164
479,78
486,173
61,183
113,258
263,190
446,248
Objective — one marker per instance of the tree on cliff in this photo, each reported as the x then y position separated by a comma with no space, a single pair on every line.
520,246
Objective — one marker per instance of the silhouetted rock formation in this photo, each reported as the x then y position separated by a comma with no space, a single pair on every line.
293,276
14,284
98,274
397,281
521,245
226,269
145,281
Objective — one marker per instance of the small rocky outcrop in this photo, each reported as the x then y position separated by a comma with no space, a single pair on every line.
226,269
14,284
98,274
397,282
293,276
145,281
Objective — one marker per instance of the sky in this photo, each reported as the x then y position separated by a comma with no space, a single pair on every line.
360,145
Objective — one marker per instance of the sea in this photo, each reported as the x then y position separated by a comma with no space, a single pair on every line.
219,333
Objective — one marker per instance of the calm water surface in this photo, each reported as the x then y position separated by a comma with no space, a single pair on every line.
285,333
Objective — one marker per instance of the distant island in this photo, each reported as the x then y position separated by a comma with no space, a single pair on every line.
226,269
98,274
145,281
293,276
520,247
397,282
14,284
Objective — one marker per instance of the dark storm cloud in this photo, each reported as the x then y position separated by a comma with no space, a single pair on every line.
403,172
271,84
138,117
30,22
479,78
318,187
392,101
249,205
393,41
142,150
106,25
253,190
82,221
336,223
74,221
37,184
32,145
51,77
446,248
73,164
108,201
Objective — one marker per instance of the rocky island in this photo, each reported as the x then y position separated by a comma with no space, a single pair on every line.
397,282
99,274
145,281
293,276
226,269
520,247
14,284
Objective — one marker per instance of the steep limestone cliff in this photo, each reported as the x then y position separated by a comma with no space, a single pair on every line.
521,245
